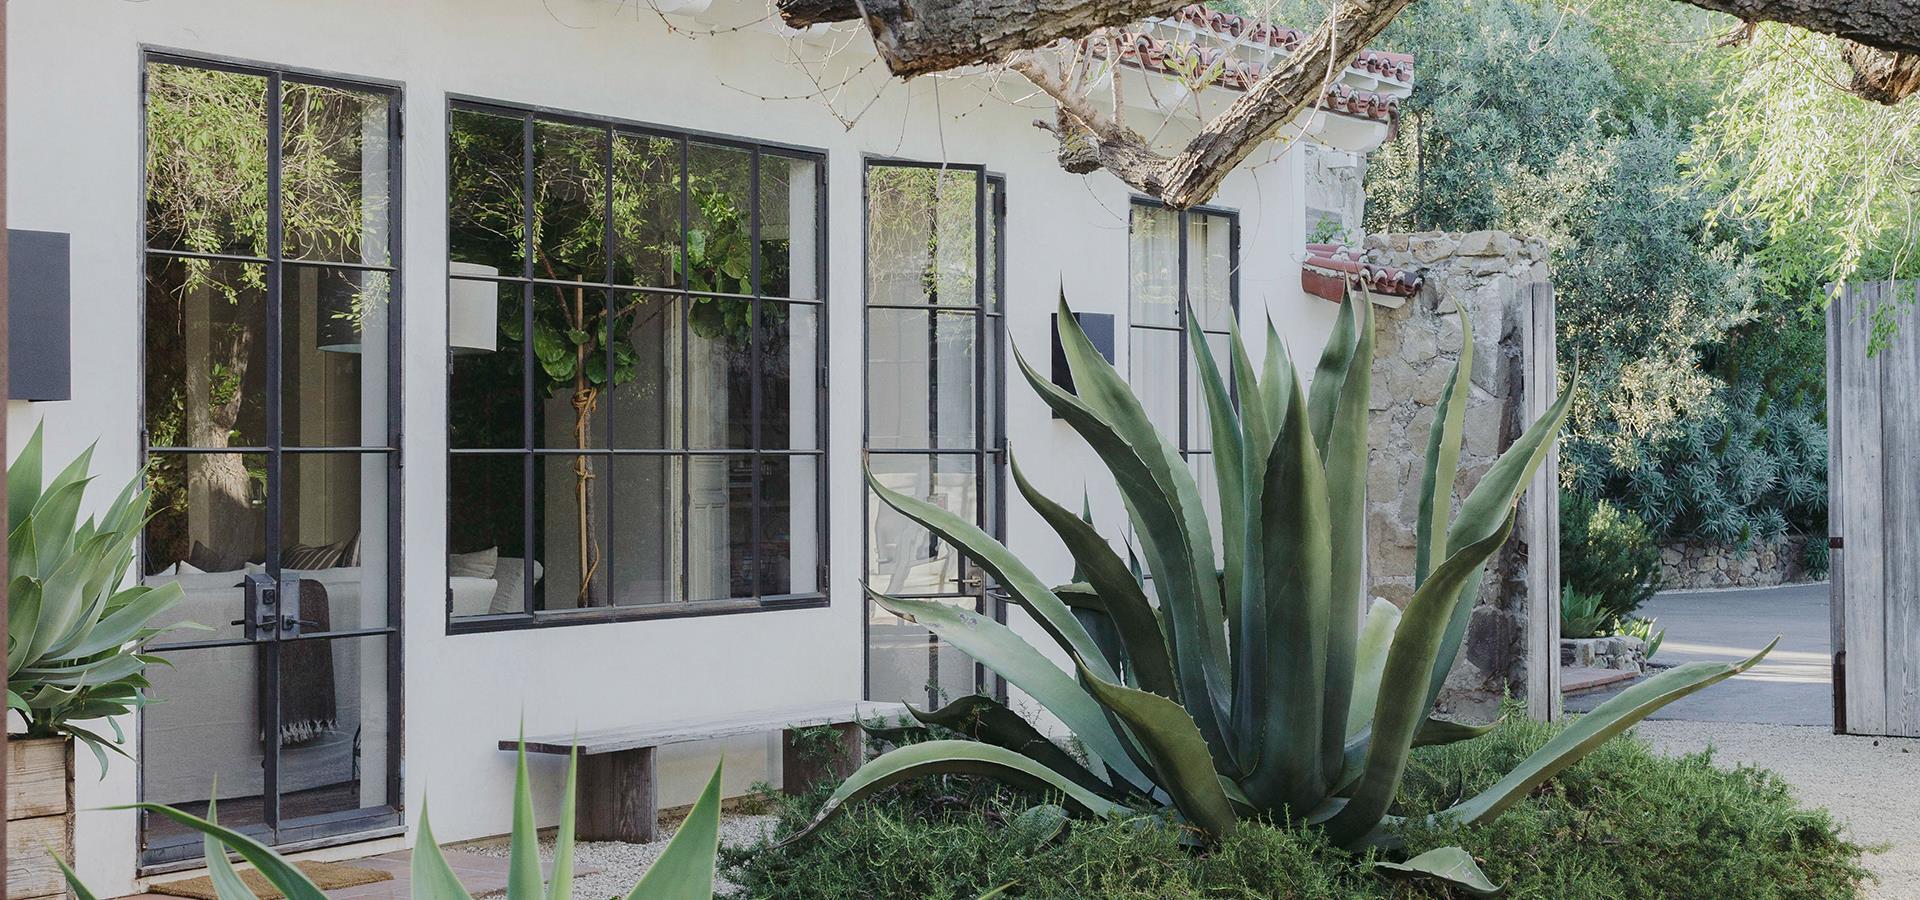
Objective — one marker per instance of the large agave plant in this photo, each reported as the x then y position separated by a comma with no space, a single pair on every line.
683,871
1252,688
74,635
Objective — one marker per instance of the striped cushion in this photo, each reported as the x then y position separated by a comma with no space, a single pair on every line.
325,556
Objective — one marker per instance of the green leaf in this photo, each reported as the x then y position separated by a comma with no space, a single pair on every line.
953,758
1346,464
1435,731
23,479
429,876
1001,650
1329,377
1173,743
1007,569
1402,703
1283,669
1120,596
1229,467
226,882
1370,661
561,888
1481,513
983,718
80,891
1443,458
1036,826
1449,864
523,849
124,623
277,870
684,870
1618,714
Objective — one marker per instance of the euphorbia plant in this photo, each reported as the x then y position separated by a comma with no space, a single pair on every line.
1249,684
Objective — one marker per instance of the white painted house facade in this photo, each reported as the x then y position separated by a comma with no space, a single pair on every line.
537,347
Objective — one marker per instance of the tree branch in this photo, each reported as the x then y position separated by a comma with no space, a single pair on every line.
1882,77
920,37
1890,25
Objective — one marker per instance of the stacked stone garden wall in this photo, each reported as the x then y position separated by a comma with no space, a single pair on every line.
1696,566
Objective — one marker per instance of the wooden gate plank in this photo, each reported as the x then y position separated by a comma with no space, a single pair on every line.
1863,560
1837,500
1900,504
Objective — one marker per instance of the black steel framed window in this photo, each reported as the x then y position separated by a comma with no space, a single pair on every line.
1178,260
270,427
934,409
637,415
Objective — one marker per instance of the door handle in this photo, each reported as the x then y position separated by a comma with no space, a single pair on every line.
262,607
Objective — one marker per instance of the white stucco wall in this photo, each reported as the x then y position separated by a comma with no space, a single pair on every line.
75,167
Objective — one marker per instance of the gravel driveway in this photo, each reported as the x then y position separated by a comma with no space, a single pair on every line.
1868,783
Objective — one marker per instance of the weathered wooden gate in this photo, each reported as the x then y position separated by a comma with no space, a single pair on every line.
1873,422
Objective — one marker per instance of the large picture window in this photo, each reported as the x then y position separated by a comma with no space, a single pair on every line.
1179,261
635,416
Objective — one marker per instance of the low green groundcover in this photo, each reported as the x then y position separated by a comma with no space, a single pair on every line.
1622,823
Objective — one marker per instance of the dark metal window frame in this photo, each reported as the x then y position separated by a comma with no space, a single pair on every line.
990,447
350,825
532,456
1179,328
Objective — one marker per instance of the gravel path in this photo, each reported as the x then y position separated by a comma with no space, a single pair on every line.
620,865
1868,783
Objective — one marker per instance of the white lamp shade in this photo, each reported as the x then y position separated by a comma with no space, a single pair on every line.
473,309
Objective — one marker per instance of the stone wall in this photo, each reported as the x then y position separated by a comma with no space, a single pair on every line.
1490,274
1336,193
1690,566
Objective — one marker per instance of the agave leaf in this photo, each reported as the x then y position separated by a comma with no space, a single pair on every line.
429,876
953,758
1449,864
1402,702
1157,521
1274,395
1329,377
1370,660
56,516
226,882
61,602
684,870
1482,511
23,619
1618,714
1007,570
523,848
74,884
1443,458
561,887
23,478
123,624
996,646
1435,731
1191,589
1258,431
1284,669
985,719
1179,753
1346,464
1229,468
1119,595
277,870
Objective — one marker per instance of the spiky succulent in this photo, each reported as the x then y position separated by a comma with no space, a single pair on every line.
1248,684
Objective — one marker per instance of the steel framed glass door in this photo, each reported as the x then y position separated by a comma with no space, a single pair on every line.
934,408
271,433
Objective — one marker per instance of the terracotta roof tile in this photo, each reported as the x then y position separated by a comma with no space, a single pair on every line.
1331,269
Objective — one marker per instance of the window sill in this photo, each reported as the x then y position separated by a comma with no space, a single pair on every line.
481,624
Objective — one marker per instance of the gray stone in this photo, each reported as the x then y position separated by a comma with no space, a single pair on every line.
1430,248
1484,243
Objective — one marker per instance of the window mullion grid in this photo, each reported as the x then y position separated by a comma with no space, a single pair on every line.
686,442
528,472
1180,316
756,440
270,782
609,300
979,384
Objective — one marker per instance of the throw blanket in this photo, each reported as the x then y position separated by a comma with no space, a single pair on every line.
307,704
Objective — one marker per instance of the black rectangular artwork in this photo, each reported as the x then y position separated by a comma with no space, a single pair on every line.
39,315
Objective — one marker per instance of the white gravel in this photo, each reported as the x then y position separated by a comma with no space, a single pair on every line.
1868,783
620,865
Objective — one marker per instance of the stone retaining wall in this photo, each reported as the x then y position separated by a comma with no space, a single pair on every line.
1689,566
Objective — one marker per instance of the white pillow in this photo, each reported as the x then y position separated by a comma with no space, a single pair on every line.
186,568
510,595
478,564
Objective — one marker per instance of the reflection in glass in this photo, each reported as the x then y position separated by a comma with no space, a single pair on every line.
209,511
646,210
1210,269
1153,367
644,553
206,353
920,379
334,724
571,366
720,373
333,358
569,201
904,557
334,174
720,219
486,215
719,527
789,244
207,161
486,390
1153,258
921,235
789,337
790,525
486,553
645,407
905,662
569,516
333,528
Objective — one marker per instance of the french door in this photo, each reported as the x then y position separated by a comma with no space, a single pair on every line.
934,408
271,427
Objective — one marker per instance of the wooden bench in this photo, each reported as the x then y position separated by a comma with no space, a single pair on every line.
618,799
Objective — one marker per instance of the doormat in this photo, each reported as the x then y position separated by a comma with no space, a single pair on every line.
328,875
